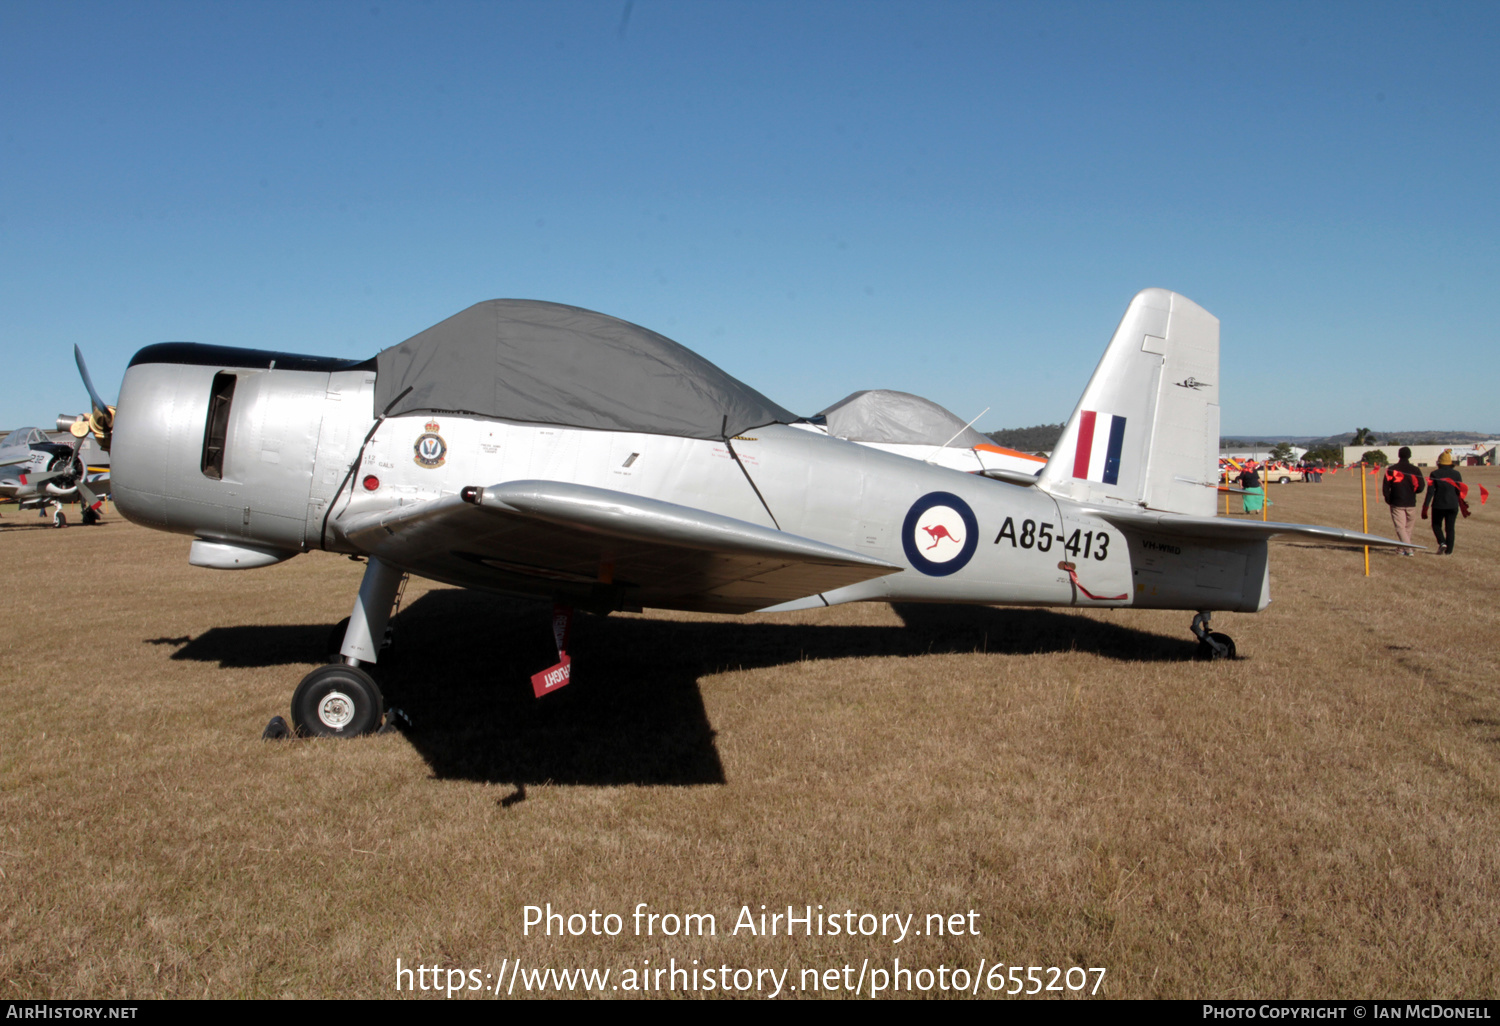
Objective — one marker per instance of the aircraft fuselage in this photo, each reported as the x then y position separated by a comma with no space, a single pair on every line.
258,453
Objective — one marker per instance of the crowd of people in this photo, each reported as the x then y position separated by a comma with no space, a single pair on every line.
1444,492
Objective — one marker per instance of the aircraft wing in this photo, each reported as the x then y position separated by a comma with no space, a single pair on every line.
597,545
1243,530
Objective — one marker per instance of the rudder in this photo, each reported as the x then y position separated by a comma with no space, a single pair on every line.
1146,432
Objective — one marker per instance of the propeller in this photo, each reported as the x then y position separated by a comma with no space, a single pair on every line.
102,417
64,475
71,479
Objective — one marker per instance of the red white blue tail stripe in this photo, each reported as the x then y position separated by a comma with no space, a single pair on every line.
1101,436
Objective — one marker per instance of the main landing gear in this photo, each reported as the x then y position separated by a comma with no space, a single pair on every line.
59,519
1212,646
337,701
342,699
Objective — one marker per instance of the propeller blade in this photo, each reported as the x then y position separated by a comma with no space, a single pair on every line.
90,500
88,383
102,419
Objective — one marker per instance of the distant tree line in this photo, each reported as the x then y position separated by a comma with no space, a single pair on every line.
1041,438
1044,437
1326,453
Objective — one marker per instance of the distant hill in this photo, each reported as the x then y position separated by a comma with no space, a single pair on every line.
1042,438
1347,438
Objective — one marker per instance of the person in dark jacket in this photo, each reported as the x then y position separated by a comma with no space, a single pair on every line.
1442,498
1402,485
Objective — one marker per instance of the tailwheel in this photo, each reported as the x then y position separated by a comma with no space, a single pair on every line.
1216,646
337,701
1212,646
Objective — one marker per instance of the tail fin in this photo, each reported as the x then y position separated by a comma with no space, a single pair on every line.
1146,432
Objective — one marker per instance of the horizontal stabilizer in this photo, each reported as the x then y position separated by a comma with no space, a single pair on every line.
1235,530
571,541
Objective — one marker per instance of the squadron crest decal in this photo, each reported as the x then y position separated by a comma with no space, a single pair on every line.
940,534
431,451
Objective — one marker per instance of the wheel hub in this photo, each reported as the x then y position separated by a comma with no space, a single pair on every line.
335,710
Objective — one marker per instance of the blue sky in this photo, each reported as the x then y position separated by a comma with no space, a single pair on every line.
954,199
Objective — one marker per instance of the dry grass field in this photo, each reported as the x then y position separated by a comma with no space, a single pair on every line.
1320,818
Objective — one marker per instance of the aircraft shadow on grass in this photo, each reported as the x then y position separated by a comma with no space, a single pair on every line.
461,663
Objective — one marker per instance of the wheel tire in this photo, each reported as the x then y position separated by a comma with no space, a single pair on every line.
90,518
1206,651
59,520
337,701
1283,480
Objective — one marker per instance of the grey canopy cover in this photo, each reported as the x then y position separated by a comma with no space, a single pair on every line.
898,418
546,363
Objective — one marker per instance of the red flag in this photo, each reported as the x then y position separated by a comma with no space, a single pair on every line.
552,678
1463,493
561,674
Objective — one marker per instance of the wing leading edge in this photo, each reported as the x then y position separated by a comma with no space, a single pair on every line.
606,547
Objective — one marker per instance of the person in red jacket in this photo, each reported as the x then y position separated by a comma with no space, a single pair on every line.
1402,484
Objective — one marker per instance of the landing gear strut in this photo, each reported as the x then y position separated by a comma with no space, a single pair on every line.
342,699
1211,645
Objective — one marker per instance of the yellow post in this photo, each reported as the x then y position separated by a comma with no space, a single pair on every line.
1364,503
1265,494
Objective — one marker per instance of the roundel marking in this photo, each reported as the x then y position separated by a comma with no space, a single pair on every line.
940,534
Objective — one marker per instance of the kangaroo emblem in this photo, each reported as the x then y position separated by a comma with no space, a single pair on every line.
937,534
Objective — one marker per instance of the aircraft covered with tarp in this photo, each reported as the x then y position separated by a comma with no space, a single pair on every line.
909,425
547,363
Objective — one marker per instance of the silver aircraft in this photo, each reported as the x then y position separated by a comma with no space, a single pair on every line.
538,449
38,473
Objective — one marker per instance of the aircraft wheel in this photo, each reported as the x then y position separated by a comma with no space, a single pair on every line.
337,701
90,518
1206,651
58,520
